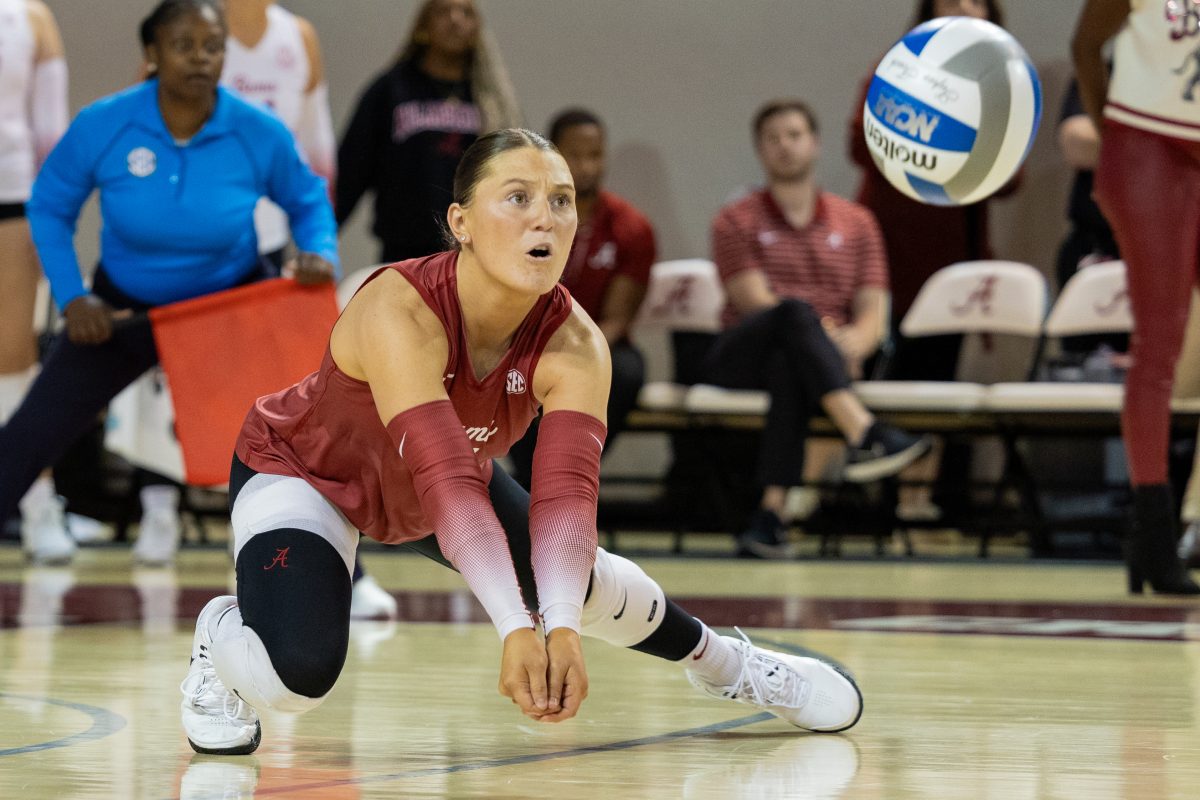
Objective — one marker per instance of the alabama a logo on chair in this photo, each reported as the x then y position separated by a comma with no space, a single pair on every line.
677,299
980,297
515,383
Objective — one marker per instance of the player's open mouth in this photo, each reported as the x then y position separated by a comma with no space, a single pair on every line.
539,253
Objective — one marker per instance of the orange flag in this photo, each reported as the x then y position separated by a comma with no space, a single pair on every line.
223,351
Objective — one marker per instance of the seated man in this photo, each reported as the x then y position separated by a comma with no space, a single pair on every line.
606,273
806,279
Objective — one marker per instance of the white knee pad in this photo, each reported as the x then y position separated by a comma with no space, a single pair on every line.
268,502
625,606
244,666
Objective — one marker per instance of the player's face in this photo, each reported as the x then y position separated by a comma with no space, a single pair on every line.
787,146
961,8
583,148
521,220
188,53
453,26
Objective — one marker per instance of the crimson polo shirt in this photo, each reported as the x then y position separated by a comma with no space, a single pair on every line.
825,263
618,240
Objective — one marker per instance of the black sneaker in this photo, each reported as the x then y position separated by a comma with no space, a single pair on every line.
884,451
765,538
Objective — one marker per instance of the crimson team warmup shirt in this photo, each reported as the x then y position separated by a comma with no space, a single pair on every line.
824,263
327,431
618,240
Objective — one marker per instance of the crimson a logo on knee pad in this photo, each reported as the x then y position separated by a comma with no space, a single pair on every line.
280,560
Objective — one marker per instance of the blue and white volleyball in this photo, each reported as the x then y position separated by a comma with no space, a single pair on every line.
952,111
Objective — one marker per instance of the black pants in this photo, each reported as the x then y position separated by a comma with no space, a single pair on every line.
785,351
628,377
302,615
76,383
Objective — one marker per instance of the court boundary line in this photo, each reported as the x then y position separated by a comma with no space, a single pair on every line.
104,723
530,758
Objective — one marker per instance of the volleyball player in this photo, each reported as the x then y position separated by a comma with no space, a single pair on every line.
273,57
33,115
433,370
1148,186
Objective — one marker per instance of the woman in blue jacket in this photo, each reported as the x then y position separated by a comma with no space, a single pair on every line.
179,164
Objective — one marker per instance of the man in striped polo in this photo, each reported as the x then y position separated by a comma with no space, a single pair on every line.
806,279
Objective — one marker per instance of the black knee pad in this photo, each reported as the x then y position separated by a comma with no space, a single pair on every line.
294,591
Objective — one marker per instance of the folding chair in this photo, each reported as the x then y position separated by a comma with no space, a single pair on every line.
987,297
684,299
1094,301
996,297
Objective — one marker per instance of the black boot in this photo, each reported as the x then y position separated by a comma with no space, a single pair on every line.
1151,553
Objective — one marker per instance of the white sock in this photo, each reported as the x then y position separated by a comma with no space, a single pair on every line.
13,386
714,659
159,498
41,492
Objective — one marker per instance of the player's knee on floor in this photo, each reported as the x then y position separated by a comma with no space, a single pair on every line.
294,592
625,605
243,664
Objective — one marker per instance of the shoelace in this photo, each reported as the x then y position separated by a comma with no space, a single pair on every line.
206,692
768,681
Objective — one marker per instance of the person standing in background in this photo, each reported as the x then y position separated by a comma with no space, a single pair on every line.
921,239
606,273
1148,186
273,58
179,164
33,115
415,121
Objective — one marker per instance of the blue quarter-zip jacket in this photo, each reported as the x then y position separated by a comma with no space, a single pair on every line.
178,220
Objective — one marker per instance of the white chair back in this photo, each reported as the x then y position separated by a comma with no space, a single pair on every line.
683,295
979,297
1095,300
353,282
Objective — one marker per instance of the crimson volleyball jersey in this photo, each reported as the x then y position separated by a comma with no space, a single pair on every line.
327,431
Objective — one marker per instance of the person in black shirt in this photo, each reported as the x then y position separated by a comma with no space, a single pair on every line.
414,122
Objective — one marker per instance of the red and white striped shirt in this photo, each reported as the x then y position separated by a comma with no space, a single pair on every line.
825,263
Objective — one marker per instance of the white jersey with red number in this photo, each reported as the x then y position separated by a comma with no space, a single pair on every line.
18,48
1155,83
274,73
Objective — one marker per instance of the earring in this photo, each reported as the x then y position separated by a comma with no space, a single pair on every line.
463,238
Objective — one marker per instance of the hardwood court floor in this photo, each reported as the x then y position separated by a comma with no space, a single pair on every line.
1004,681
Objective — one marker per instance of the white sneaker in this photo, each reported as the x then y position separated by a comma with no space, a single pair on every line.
85,530
368,600
216,720
228,779
158,538
807,692
44,534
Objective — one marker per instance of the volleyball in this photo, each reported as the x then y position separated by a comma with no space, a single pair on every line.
952,111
